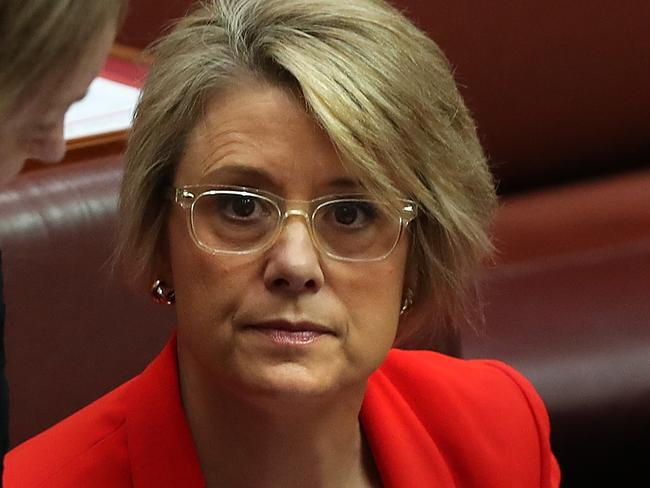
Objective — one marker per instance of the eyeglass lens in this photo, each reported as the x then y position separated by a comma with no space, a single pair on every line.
351,228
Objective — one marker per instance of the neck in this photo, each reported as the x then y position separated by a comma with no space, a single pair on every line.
275,442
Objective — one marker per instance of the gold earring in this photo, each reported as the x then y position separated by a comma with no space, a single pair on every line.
162,294
407,301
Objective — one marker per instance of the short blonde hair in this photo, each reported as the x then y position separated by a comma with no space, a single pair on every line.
380,88
40,39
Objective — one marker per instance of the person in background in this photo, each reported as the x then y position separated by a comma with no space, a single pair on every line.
305,185
50,51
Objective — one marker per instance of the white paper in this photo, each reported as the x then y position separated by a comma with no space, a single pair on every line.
107,107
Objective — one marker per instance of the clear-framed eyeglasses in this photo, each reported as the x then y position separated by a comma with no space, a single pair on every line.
239,220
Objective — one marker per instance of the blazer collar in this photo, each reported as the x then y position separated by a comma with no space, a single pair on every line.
402,447
160,444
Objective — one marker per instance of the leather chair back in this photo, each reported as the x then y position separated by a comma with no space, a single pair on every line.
73,330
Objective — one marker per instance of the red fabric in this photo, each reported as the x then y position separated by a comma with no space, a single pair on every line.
433,420
430,420
134,436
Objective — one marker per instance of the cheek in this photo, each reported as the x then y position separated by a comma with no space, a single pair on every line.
373,300
208,289
194,276
378,288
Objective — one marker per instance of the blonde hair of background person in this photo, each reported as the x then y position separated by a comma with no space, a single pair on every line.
49,52
404,130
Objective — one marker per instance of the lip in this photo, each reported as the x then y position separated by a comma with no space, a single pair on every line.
285,332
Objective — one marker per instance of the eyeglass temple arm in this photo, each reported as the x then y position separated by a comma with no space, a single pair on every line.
181,196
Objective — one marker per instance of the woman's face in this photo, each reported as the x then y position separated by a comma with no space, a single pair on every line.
35,129
288,320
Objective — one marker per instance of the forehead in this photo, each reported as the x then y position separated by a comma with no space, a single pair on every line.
259,128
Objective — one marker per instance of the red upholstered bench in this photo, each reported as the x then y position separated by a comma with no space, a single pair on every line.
568,306
73,329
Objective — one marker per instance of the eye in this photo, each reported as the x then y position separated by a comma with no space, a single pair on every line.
346,214
353,213
241,207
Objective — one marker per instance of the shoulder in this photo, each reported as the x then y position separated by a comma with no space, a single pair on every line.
488,383
484,388
482,410
90,444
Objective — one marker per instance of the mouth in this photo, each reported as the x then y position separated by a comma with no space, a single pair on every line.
287,333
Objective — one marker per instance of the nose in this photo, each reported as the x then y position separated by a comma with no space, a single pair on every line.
293,263
49,147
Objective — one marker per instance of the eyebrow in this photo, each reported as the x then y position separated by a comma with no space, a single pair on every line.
240,174
346,184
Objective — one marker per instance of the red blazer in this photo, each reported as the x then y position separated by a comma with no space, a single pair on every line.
431,421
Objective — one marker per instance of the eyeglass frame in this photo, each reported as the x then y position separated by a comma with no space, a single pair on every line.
186,196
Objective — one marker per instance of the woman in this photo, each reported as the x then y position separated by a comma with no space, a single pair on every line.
50,51
305,185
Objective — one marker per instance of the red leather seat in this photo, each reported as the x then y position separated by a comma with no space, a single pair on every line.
577,325
567,305
73,329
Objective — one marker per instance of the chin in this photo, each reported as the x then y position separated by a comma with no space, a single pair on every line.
290,381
